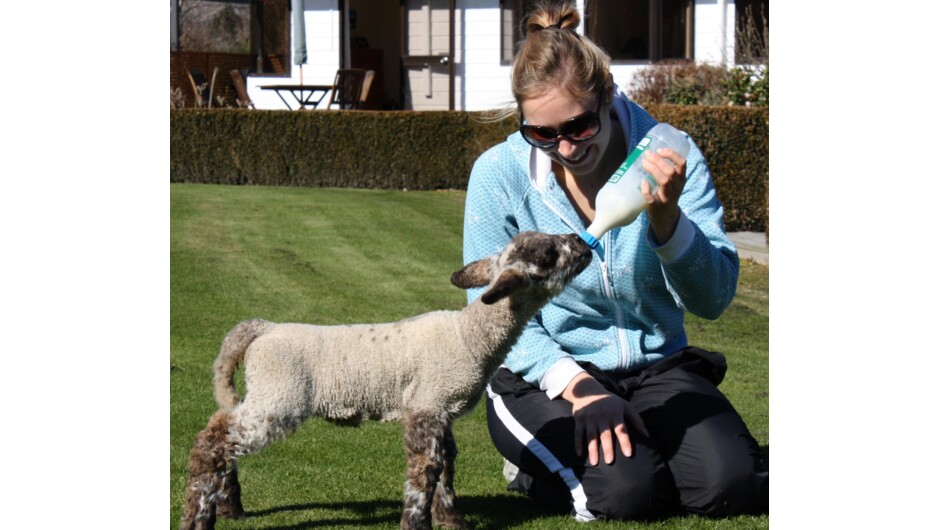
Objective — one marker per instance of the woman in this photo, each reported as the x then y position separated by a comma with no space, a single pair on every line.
563,408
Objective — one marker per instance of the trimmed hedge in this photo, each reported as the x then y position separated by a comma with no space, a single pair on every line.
430,150
356,149
736,145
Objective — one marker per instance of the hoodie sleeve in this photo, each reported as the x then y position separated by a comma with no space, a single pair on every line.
700,263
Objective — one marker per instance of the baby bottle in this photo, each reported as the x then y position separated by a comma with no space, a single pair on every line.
620,201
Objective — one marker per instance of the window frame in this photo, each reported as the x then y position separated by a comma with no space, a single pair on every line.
655,32
513,11
515,32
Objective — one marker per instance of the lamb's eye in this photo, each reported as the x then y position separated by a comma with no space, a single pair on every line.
548,258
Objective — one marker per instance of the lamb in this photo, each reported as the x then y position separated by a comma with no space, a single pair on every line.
425,371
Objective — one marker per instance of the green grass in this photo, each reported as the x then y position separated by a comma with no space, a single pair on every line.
334,256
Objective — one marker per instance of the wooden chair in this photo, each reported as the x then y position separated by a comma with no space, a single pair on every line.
276,64
241,89
202,89
347,88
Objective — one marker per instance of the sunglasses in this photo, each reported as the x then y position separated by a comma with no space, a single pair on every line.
578,129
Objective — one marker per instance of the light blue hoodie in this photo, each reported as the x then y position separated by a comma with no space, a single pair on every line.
626,310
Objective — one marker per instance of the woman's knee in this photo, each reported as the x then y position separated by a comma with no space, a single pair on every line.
729,490
637,489
633,500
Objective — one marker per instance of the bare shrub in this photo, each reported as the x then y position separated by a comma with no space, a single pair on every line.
177,101
679,82
752,39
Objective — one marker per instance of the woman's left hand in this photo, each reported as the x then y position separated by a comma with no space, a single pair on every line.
663,206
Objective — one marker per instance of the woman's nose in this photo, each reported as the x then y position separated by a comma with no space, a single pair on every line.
566,148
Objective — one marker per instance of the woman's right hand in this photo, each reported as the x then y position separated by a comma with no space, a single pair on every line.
599,418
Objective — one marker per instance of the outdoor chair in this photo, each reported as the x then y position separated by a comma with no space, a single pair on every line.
202,89
241,89
347,88
276,64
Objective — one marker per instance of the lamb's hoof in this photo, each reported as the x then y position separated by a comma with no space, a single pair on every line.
410,522
198,524
230,511
450,519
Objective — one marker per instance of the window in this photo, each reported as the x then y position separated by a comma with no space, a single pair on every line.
270,35
213,26
751,31
628,30
641,30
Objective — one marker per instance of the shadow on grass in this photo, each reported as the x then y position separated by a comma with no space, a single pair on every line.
360,507
372,513
481,512
486,512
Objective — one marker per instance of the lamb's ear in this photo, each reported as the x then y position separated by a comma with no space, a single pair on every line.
475,274
508,283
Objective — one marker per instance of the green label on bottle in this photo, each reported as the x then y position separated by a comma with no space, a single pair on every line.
622,170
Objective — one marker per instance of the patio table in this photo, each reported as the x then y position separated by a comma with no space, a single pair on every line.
304,95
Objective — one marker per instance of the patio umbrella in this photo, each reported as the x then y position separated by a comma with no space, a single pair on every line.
300,35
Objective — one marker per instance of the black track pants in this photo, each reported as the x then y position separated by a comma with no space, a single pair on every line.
699,456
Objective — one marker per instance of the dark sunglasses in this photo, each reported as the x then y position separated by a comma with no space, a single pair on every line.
578,129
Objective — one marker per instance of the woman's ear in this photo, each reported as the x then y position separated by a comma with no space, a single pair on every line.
609,88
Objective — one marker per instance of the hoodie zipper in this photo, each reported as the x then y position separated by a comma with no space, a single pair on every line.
609,293
607,288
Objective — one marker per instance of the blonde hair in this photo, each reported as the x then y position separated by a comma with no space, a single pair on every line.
554,55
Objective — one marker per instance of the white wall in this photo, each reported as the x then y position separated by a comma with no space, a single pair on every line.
485,82
708,31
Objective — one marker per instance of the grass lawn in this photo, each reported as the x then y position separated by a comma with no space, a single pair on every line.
337,256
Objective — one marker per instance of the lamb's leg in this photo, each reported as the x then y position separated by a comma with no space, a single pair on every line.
210,465
213,488
229,505
442,508
424,451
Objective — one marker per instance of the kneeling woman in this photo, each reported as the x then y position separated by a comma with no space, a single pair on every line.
613,347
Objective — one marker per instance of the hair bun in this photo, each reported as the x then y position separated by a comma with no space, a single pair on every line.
564,17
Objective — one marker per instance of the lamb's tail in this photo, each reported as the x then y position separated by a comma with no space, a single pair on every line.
232,353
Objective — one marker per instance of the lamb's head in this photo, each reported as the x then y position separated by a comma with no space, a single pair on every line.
532,261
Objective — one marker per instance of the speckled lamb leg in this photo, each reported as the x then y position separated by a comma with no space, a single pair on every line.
443,512
230,501
424,453
211,463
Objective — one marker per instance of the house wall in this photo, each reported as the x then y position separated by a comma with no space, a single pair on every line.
486,83
481,83
708,34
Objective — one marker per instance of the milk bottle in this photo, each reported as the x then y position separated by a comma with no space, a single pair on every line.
620,201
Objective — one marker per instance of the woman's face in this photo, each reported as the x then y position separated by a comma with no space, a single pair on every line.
553,109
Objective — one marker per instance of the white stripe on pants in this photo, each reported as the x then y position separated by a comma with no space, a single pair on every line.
543,454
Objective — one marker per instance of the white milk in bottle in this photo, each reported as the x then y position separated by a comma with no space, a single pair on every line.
620,201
